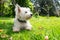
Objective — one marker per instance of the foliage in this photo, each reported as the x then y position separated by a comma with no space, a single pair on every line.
25,3
7,8
41,27
46,7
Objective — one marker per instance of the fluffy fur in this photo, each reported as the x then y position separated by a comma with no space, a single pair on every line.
22,13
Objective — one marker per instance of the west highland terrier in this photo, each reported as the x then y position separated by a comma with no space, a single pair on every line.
22,14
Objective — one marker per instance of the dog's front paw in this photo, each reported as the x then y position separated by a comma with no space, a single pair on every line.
16,29
28,28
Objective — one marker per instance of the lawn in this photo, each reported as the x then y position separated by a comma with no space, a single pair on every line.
41,27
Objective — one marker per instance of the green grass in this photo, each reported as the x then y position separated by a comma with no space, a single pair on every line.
41,27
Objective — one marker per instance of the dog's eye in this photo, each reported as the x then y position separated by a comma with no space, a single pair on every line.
25,11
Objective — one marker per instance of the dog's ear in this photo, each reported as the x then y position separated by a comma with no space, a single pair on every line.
18,8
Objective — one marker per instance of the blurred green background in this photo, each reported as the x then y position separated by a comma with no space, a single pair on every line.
41,7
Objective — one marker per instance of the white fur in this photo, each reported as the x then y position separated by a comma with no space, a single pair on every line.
22,16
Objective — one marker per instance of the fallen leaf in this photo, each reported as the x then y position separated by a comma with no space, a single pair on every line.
41,28
4,35
10,38
1,30
46,37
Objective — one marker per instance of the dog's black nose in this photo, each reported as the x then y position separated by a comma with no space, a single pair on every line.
31,14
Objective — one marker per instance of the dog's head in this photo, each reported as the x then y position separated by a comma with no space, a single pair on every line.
22,12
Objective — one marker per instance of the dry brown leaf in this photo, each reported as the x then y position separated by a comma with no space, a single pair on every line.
1,30
4,35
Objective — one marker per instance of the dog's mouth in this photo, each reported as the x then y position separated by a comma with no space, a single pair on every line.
28,17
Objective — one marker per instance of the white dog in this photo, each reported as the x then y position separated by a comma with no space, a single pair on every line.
21,18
